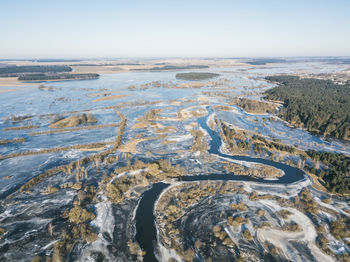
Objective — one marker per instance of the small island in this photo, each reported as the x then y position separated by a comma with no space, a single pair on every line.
254,106
73,121
193,76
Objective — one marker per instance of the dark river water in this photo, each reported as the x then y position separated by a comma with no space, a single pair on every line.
146,234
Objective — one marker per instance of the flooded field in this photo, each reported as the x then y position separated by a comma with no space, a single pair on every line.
92,170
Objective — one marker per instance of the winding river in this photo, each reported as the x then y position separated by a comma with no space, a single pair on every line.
146,234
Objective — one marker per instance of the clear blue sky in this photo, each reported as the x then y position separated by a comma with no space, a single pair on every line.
188,28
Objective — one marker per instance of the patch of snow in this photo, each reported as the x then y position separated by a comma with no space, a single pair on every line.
281,238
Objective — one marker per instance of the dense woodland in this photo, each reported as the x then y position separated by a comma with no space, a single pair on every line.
336,172
320,106
13,71
43,77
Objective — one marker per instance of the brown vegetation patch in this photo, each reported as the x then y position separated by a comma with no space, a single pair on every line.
174,203
73,129
20,128
84,232
257,170
49,190
237,221
166,130
148,120
106,98
79,215
239,206
2,232
247,235
284,213
254,106
130,146
16,140
200,143
76,164
20,118
56,149
294,227
224,108
73,121
118,186
195,112
191,125
222,236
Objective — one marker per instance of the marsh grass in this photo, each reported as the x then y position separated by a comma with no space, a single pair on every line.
76,164
106,98
254,106
257,170
73,121
199,143
73,129
20,128
56,149
9,141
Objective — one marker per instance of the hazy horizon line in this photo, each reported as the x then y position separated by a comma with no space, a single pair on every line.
172,57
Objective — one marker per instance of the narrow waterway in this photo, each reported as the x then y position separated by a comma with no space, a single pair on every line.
146,234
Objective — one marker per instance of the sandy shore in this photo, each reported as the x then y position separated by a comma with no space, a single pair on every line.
13,82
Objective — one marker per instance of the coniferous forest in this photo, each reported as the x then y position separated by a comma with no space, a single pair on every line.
321,106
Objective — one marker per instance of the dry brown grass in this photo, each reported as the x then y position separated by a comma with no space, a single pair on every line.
106,98
224,108
168,142
75,164
199,143
20,128
148,120
254,106
49,190
7,90
130,146
89,149
256,170
73,129
317,182
166,130
13,81
56,149
142,123
191,125
176,103
8,141
184,114
73,121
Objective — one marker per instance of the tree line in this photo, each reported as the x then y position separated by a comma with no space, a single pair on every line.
43,77
336,170
12,71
